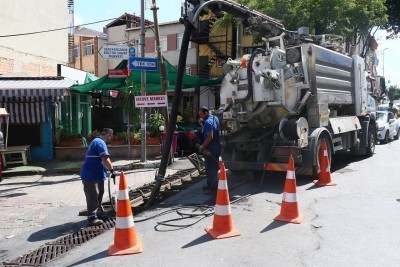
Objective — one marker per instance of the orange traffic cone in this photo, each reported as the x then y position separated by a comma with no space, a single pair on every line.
290,208
324,172
222,226
125,240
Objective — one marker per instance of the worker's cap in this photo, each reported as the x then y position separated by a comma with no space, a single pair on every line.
204,109
107,131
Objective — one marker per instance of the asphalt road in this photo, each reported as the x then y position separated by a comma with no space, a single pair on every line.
351,224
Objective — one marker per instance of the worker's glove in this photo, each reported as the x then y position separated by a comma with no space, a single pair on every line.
112,175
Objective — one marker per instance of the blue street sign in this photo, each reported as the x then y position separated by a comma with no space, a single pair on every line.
143,63
132,52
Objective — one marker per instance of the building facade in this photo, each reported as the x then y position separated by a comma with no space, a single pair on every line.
35,54
85,55
34,41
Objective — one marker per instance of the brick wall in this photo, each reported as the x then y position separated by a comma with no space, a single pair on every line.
6,65
150,47
48,71
171,42
31,69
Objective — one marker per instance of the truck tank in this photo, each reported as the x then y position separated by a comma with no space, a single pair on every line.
285,96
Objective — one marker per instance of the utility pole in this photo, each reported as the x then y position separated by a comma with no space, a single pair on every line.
143,154
162,71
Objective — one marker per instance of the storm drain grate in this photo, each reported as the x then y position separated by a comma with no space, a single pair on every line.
40,256
60,246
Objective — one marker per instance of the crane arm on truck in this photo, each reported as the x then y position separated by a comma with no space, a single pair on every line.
257,21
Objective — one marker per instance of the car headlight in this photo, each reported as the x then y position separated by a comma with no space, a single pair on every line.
381,128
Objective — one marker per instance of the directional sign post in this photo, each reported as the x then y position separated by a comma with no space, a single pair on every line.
114,52
151,101
143,63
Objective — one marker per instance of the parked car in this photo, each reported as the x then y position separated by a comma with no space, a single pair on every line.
388,126
385,107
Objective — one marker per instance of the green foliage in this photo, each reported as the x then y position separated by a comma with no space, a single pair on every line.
67,133
137,136
154,123
393,13
394,92
128,104
93,135
188,112
65,136
120,136
342,17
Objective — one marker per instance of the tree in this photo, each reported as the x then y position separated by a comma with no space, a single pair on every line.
347,18
394,92
393,24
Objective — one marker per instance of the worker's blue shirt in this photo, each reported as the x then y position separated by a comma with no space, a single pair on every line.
211,124
93,167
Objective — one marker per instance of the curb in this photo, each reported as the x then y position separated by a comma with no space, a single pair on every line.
76,170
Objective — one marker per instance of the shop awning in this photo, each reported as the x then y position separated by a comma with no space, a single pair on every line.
24,98
33,89
152,81
26,112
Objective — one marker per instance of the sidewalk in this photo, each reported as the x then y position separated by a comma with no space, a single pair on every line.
60,167
42,206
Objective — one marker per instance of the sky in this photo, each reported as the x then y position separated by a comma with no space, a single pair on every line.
388,53
87,11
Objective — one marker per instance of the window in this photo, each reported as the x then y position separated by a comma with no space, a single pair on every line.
88,49
76,51
179,38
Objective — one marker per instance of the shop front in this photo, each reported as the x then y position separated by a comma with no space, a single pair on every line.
33,103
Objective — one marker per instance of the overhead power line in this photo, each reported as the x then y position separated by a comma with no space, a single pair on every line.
59,29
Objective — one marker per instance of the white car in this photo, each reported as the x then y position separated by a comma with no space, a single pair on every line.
388,126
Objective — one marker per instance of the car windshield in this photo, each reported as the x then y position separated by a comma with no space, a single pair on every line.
381,116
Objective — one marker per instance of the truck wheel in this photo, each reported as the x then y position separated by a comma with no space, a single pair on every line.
371,142
396,137
318,153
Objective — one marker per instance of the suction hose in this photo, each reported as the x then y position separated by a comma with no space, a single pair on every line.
160,175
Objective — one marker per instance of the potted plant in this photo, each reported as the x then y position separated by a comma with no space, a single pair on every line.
153,128
118,138
93,135
68,139
135,138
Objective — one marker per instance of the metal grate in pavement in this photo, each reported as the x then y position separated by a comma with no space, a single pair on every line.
60,246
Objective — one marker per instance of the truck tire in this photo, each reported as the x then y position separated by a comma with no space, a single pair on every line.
318,152
371,142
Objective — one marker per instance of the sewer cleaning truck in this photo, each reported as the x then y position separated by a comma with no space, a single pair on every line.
288,97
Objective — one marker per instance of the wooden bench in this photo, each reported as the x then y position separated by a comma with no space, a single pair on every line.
23,150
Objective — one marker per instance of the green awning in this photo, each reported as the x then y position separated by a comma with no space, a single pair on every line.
152,81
